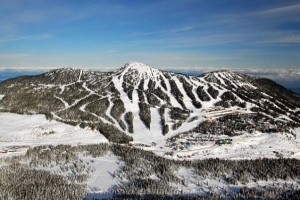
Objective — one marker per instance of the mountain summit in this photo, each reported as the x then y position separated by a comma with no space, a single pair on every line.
141,103
141,68
135,71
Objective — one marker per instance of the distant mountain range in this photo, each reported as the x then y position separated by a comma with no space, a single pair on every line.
141,103
296,90
12,73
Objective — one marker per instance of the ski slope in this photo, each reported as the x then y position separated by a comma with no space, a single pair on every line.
34,130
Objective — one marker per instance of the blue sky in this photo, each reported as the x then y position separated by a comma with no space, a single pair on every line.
42,34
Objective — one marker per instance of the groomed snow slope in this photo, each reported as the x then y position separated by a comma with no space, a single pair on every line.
34,130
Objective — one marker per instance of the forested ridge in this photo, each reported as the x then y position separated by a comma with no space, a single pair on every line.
144,175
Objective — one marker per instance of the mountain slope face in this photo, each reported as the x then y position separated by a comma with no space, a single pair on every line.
144,104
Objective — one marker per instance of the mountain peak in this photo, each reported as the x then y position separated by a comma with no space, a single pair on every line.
133,65
140,70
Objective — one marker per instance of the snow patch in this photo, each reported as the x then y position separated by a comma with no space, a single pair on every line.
102,180
144,71
246,146
34,130
144,135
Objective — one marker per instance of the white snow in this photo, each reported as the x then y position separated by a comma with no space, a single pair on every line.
144,135
1,96
246,146
62,88
187,101
101,181
173,101
144,71
79,78
34,130
220,79
88,89
196,184
64,102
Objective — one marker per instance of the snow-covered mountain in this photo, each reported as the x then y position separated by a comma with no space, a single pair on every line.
141,103
220,135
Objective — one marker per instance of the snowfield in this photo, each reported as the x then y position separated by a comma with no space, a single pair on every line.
101,182
196,184
244,146
253,146
34,130
19,132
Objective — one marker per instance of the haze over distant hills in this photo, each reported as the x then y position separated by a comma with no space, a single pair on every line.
12,73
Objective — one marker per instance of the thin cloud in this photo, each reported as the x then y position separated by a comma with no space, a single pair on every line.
26,68
176,30
27,38
280,38
204,40
273,73
110,51
287,9
14,55
289,39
